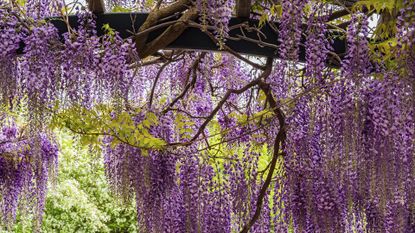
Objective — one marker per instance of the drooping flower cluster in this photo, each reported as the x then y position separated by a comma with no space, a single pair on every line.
184,194
25,166
317,47
356,63
406,37
11,31
350,150
216,14
95,65
11,34
85,69
291,28
38,80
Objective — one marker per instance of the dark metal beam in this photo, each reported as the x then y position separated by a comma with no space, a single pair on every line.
195,39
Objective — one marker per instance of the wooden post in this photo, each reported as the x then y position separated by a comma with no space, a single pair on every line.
243,8
96,6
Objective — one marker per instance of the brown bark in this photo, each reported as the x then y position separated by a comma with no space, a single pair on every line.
169,35
278,145
96,6
155,16
243,8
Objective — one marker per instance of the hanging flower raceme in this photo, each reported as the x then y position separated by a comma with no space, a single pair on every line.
81,48
406,37
85,69
317,47
39,73
291,28
12,31
25,166
169,194
362,136
289,39
216,14
40,9
356,63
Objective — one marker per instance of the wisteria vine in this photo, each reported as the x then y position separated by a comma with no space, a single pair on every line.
26,163
202,141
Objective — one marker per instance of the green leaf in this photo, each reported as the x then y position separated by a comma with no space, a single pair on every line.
108,30
121,9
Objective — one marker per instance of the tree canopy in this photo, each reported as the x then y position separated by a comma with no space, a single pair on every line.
308,139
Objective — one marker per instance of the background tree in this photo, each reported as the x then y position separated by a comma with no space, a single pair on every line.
80,200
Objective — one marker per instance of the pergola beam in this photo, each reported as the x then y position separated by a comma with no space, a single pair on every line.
245,37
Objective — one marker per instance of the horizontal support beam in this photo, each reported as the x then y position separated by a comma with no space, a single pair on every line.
195,39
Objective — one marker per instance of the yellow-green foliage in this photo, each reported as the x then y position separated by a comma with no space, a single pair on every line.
93,124
80,200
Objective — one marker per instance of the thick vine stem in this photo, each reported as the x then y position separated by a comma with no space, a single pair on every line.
150,102
154,17
169,35
253,83
278,145
191,72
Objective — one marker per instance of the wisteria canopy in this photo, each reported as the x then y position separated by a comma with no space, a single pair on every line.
316,136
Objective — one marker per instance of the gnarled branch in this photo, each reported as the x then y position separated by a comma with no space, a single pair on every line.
225,98
169,35
278,145
191,71
154,17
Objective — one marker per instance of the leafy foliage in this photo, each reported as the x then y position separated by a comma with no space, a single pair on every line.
80,200
103,121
